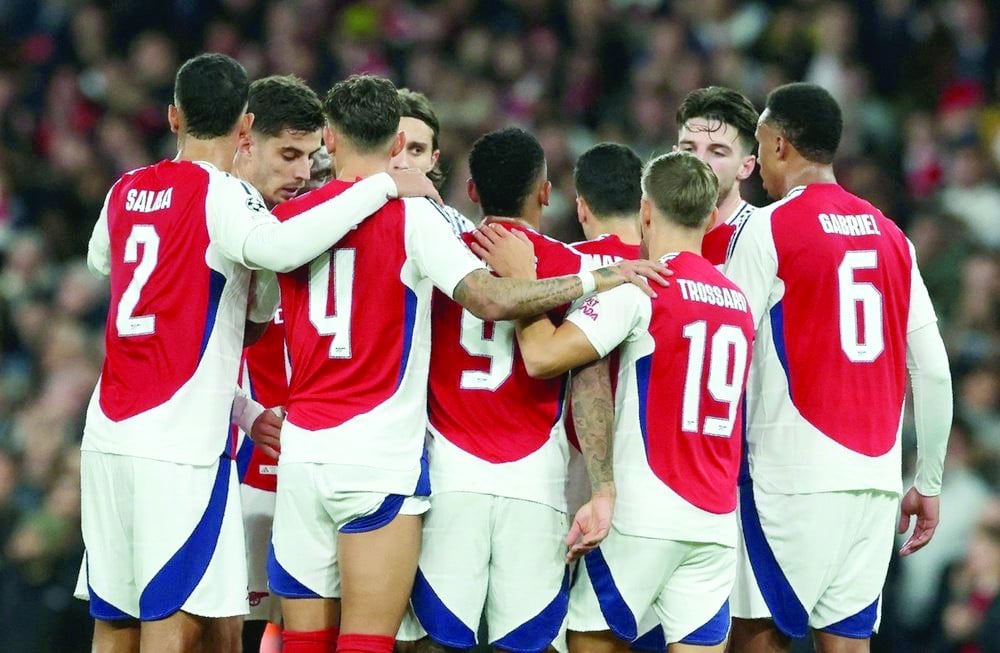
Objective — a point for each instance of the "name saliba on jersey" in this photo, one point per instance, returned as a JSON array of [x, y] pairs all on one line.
[[709, 294], [147, 201]]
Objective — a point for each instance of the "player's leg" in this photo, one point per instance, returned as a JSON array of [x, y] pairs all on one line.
[[258, 518], [615, 584], [757, 636], [528, 596], [116, 636], [253, 633], [302, 564], [453, 573], [223, 635], [693, 606], [847, 613], [190, 555]]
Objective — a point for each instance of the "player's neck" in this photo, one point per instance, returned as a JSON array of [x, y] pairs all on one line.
[[626, 227], [514, 219], [729, 204], [351, 166], [808, 173], [671, 238], [220, 152]]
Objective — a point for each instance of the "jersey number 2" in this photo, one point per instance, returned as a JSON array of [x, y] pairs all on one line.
[[862, 343], [726, 351], [126, 323], [337, 324]]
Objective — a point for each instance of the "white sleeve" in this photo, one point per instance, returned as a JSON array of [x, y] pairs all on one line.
[[438, 253], [245, 411], [930, 378], [99, 247], [251, 236], [921, 310], [266, 297], [753, 262], [234, 209], [612, 317]]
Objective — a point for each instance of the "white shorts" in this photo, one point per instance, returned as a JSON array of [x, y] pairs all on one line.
[[686, 585], [814, 560], [505, 555], [258, 515], [308, 515], [161, 537]]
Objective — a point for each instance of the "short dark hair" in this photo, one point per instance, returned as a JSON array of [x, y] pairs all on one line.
[[416, 105], [682, 187], [718, 103], [281, 102], [609, 178], [809, 117], [366, 110], [505, 165], [211, 91]]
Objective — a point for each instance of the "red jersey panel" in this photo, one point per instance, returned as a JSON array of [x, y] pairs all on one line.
[[480, 396], [157, 328], [690, 388], [840, 328], [266, 376], [348, 353]]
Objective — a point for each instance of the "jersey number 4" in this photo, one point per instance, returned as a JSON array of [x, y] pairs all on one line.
[[726, 355], [860, 309], [338, 322], [126, 323]]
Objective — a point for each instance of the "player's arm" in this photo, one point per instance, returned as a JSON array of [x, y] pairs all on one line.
[[99, 247], [248, 234], [753, 262], [593, 416], [493, 298], [261, 305], [261, 425], [930, 379]]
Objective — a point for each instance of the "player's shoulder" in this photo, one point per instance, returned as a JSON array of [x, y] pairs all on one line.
[[547, 243], [426, 208]]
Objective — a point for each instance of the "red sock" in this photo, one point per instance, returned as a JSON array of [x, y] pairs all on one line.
[[358, 643], [309, 641]]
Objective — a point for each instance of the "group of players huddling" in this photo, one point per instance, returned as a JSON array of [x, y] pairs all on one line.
[[688, 421]]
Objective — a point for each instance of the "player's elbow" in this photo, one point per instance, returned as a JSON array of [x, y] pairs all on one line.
[[540, 364], [487, 308]]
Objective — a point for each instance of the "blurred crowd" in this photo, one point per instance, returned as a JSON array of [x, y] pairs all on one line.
[[83, 91]]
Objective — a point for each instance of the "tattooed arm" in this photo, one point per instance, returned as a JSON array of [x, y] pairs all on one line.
[[593, 416]]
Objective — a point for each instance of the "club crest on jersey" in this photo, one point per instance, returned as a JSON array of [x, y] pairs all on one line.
[[147, 201], [255, 203]]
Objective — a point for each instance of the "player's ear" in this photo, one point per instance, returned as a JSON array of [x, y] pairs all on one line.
[[246, 142], [246, 123], [174, 118], [781, 148], [645, 213], [581, 210], [746, 167], [470, 187], [434, 157], [329, 139], [544, 193], [398, 144]]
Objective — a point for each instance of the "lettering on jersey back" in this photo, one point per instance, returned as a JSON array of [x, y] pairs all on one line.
[[696, 291], [593, 261], [147, 201], [849, 225]]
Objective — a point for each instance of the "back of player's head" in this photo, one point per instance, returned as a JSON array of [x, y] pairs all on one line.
[[682, 188], [718, 103], [809, 117], [416, 105], [365, 109], [283, 102], [505, 166], [608, 177], [211, 92]]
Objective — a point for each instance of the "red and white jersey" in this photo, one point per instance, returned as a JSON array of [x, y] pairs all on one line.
[[715, 244], [265, 375], [495, 429], [684, 359], [834, 289], [171, 238], [357, 323]]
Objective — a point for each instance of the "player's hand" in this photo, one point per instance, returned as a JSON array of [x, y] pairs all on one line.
[[927, 511], [591, 525], [508, 252], [266, 432], [410, 182], [638, 272]]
